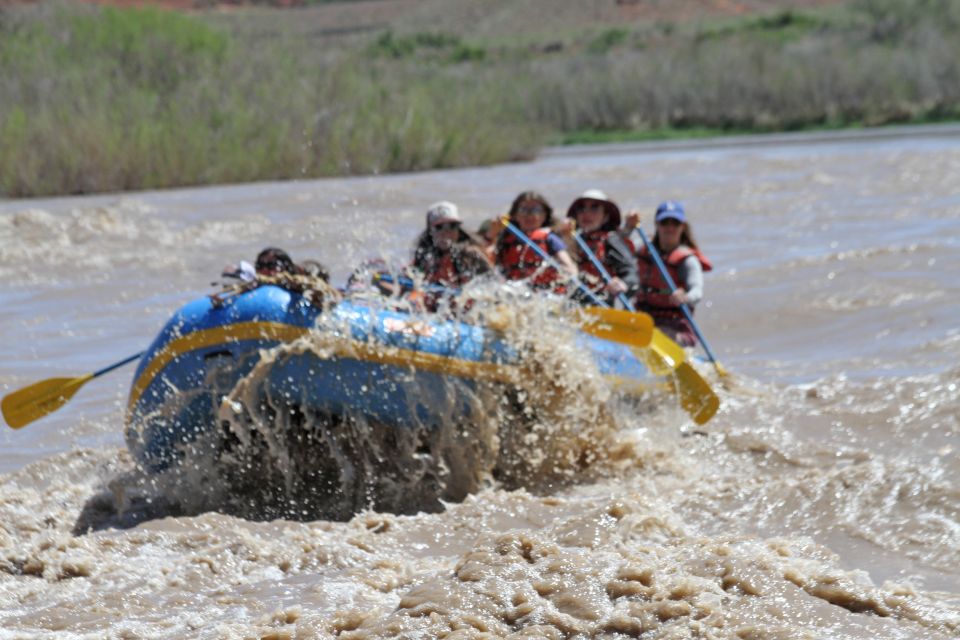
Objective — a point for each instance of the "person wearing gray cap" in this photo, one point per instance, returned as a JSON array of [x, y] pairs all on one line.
[[684, 262], [445, 253]]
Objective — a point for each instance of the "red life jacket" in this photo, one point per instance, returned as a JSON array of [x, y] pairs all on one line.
[[517, 261], [444, 271], [654, 294], [448, 268]]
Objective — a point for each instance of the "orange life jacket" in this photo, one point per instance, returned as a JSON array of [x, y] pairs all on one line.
[[517, 261], [654, 294]]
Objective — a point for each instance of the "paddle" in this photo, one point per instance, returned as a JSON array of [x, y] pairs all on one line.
[[615, 325], [23, 406], [550, 261], [600, 268], [696, 396], [721, 371]]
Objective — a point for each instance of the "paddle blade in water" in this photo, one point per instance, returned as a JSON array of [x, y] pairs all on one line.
[[696, 396], [664, 357], [23, 406]]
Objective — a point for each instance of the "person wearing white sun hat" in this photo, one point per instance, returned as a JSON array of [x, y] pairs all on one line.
[[596, 218]]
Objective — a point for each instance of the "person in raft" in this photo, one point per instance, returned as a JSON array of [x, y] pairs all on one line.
[[533, 215], [597, 219], [271, 262], [684, 262], [445, 253], [488, 232], [275, 266]]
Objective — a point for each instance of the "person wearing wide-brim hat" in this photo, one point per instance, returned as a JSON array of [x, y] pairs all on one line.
[[685, 263], [592, 200], [596, 218]]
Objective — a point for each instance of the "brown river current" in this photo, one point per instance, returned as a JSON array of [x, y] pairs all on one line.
[[823, 500]]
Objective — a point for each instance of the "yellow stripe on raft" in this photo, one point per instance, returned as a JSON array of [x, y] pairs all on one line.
[[208, 338], [380, 354]]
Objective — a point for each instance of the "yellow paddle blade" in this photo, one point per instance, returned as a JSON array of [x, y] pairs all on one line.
[[23, 406], [616, 325], [696, 396], [654, 361], [667, 348], [664, 357]]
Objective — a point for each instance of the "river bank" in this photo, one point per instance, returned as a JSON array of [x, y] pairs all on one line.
[[102, 99]]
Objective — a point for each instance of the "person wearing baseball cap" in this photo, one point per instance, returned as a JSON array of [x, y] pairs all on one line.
[[445, 253], [685, 263]]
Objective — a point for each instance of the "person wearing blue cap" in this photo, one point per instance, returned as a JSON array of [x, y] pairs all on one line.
[[685, 263]]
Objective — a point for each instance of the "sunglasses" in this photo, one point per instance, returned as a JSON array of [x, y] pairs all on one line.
[[588, 206], [530, 211], [446, 226], [669, 222]]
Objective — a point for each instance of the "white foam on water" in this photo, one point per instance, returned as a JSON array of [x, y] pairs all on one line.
[[821, 501]]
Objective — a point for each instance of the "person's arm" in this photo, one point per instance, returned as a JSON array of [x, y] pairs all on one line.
[[558, 249], [691, 280], [621, 263], [567, 263], [566, 230]]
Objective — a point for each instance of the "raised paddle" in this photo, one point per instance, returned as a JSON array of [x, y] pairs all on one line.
[[23, 406], [663, 356], [721, 371]]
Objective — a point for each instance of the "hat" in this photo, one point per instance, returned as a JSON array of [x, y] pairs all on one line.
[[613, 211], [670, 209], [443, 211]]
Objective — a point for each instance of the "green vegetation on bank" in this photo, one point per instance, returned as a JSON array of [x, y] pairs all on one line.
[[101, 99], [95, 100]]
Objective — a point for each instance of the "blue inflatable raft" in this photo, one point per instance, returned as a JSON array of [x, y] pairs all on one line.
[[206, 348], [328, 379]]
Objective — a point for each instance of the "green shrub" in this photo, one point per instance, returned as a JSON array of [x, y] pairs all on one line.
[[95, 99], [132, 99], [609, 39]]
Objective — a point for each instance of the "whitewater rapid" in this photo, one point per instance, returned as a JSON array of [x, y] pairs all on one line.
[[822, 500]]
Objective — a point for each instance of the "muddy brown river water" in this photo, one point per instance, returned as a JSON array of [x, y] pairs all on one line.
[[823, 501]]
